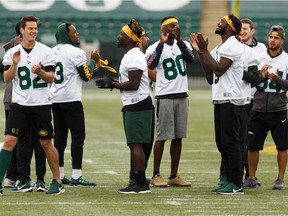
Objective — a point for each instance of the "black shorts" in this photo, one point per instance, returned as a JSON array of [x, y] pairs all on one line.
[[19, 116], [259, 126]]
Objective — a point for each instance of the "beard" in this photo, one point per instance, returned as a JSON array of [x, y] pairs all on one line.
[[171, 36], [220, 31], [274, 47]]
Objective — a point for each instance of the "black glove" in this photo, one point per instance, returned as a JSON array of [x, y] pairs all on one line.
[[106, 83]]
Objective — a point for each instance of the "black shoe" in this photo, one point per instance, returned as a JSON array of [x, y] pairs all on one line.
[[135, 188]]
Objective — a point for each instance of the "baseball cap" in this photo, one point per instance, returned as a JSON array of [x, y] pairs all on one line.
[[279, 29]]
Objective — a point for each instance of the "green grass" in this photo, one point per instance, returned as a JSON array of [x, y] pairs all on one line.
[[106, 161]]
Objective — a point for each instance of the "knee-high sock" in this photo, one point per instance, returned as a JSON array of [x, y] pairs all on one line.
[[5, 159]]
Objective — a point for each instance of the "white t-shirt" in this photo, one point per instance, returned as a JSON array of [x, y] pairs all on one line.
[[67, 86], [28, 89], [259, 49], [134, 59], [171, 70], [250, 58], [229, 85]]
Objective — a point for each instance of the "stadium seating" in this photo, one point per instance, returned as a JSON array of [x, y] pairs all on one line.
[[102, 26], [265, 14]]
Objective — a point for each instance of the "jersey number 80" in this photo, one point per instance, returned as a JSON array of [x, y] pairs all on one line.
[[170, 67]]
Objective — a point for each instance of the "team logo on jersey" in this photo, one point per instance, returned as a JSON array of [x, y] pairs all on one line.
[[15, 131], [43, 133]]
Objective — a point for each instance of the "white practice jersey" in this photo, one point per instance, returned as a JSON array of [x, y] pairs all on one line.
[[171, 70], [134, 59], [259, 49], [28, 88], [279, 63], [67, 86], [250, 58], [229, 85]]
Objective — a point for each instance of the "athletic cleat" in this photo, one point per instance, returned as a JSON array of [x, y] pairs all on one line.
[[135, 189], [1, 190], [40, 186], [231, 189], [158, 181], [278, 184], [8, 183], [222, 180], [65, 181], [82, 181], [250, 183], [23, 187], [178, 181], [55, 188]]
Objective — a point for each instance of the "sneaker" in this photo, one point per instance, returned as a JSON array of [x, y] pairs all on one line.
[[65, 180], [222, 180], [231, 189], [40, 186], [82, 181], [258, 183], [178, 181], [158, 181], [55, 188], [250, 183], [220, 187], [8, 183], [278, 184], [135, 189], [23, 187], [1, 190]]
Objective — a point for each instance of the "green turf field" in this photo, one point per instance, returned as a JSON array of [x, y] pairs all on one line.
[[106, 160]]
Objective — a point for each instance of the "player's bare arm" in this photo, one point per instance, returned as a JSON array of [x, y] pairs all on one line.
[[9, 74], [218, 68], [152, 74], [133, 82], [47, 76]]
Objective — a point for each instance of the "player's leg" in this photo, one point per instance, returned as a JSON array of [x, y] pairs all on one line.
[[138, 126], [257, 133], [279, 134], [60, 136], [24, 155], [42, 120], [11, 175], [40, 161], [74, 115], [16, 119]]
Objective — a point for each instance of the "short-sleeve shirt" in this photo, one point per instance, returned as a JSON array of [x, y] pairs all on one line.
[[229, 85], [67, 86], [28, 88], [171, 70], [134, 59]]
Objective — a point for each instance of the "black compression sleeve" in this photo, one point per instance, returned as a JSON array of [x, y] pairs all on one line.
[[186, 53], [153, 59]]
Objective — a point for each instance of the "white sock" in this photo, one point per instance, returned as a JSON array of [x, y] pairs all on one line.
[[61, 170], [76, 173]]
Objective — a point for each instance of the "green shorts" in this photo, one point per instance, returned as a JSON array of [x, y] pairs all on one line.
[[138, 126]]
